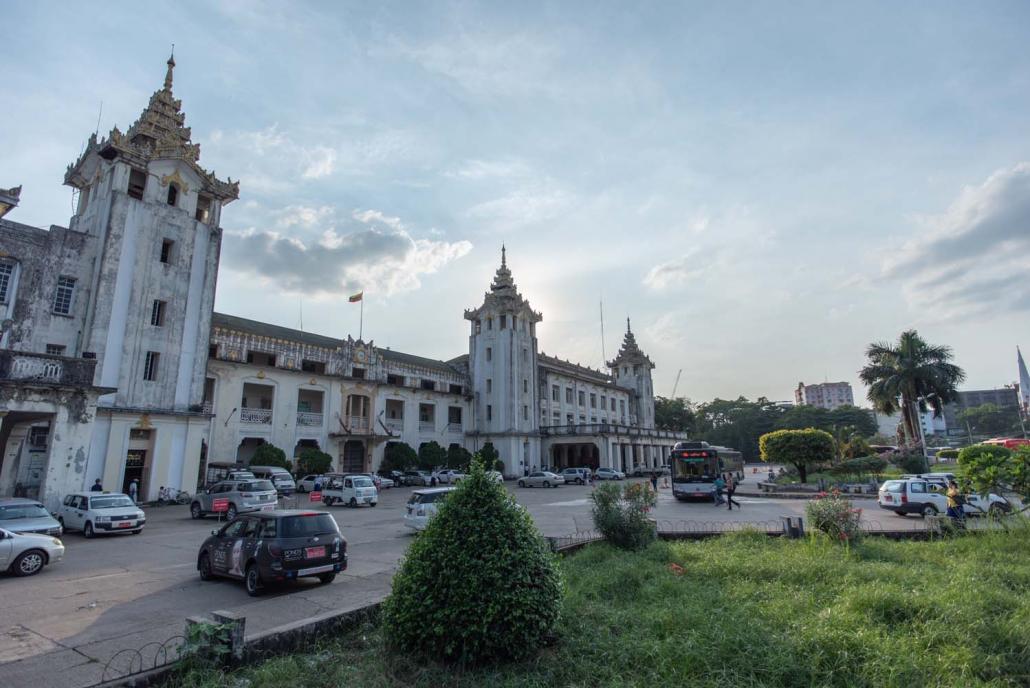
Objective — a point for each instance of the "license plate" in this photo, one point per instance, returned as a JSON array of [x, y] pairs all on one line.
[[888, 498], [314, 552], [268, 507], [125, 524], [699, 494]]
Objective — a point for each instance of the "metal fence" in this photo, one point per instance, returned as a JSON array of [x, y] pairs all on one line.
[[153, 655]]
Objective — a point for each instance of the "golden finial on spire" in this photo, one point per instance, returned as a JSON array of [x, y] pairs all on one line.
[[171, 66], [504, 260]]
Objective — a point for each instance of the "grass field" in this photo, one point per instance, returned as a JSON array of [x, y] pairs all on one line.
[[746, 610]]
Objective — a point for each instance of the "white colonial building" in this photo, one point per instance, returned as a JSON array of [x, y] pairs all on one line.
[[113, 364]]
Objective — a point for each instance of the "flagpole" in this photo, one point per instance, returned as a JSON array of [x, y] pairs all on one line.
[[361, 318]]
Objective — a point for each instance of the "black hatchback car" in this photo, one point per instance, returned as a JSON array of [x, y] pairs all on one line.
[[274, 546]]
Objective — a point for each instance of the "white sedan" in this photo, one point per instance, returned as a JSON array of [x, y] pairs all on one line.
[[27, 554], [541, 479], [449, 476]]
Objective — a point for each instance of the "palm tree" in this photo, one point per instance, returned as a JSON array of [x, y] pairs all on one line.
[[911, 375]]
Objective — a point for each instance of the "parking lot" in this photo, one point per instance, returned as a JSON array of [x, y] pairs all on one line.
[[61, 626]]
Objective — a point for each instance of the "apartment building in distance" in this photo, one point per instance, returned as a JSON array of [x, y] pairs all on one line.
[[827, 395]]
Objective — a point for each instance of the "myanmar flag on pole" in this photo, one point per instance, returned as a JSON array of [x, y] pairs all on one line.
[[357, 297]]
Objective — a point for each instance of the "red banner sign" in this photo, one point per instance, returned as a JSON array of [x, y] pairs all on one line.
[[315, 496], [220, 504]]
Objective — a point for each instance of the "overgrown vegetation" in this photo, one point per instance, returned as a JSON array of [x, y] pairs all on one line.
[[479, 584], [744, 610], [313, 461], [835, 516], [399, 456], [270, 455], [621, 513], [987, 468]]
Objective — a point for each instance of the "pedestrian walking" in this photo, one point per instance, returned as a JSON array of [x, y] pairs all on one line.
[[717, 492], [97, 486], [955, 502], [731, 487], [654, 480], [134, 489]]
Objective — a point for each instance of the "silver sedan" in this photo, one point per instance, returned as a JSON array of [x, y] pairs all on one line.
[[541, 479], [27, 554]]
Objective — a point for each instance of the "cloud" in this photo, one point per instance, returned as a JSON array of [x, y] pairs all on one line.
[[304, 216], [676, 272], [491, 169], [371, 217], [375, 257], [972, 259], [318, 162], [522, 207]]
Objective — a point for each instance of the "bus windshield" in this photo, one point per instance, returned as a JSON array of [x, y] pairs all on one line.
[[695, 466]]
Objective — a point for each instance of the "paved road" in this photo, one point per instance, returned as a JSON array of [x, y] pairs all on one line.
[[61, 627]]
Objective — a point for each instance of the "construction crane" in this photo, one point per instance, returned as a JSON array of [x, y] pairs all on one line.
[[676, 384]]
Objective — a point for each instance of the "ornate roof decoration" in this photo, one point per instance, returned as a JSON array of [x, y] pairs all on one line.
[[159, 133], [630, 351], [504, 295]]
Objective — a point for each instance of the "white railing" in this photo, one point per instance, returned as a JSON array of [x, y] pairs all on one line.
[[394, 424], [358, 424], [309, 419], [454, 428], [258, 416], [426, 426], [32, 368]]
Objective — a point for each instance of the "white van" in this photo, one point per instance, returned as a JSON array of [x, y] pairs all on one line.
[[280, 477], [351, 490], [423, 504]]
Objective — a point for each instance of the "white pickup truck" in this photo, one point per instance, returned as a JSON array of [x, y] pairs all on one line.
[[352, 490]]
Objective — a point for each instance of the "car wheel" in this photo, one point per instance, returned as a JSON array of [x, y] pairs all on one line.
[[928, 510], [195, 511], [252, 580], [230, 513], [29, 563], [352, 503], [547, 484], [900, 513], [373, 503], [996, 510], [204, 566], [87, 530], [522, 483], [326, 578]]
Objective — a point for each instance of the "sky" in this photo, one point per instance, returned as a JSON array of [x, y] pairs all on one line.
[[764, 188]]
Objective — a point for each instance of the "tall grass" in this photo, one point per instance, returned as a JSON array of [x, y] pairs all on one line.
[[743, 610]]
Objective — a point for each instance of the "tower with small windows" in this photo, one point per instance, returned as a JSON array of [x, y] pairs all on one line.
[[153, 211], [503, 373], [632, 368], [143, 304]]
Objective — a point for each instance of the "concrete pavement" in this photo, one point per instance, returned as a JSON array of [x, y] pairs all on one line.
[[61, 627]]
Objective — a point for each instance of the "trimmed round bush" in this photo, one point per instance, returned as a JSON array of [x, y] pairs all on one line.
[[479, 584]]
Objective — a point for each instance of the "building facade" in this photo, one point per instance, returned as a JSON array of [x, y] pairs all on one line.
[[827, 395], [114, 366]]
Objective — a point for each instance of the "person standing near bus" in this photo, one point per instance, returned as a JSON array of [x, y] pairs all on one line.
[[731, 487], [717, 492]]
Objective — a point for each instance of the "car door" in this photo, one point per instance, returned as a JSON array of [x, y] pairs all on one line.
[[66, 507], [6, 549], [348, 490], [77, 513], [917, 495], [937, 494], [226, 541]]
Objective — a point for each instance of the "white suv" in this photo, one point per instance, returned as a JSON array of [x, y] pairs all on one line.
[[929, 498], [100, 512], [422, 506]]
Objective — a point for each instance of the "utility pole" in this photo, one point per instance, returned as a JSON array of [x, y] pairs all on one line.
[[676, 384]]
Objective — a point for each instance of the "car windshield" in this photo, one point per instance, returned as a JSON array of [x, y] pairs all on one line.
[[15, 511], [362, 482], [111, 502], [282, 478], [307, 525], [257, 486]]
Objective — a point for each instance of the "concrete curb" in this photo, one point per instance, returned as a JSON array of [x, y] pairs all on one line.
[[796, 495]]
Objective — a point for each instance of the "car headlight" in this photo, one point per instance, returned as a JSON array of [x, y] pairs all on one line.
[[103, 519], [56, 542], [139, 514]]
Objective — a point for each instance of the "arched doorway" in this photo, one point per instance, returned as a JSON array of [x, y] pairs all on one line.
[[245, 452], [353, 456]]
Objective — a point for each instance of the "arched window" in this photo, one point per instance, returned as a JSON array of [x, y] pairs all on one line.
[[173, 194]]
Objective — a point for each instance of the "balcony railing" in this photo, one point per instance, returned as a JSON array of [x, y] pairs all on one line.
[[256, 416], [309, 419], [426, 426], [611, 429], [454, 428], [358, 424], [394, 424], [48, 369]]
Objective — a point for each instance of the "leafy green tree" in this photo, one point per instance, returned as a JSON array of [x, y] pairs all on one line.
[[458, 457], [804, 416], [431, 455], [399, 456], [490, 454], [270, 455], [313, 460], [472, 595], [857, 447], [737, 423], [803, 449], [910, 376], [674, 414], [990, 419], [987, 468], [862, 420]]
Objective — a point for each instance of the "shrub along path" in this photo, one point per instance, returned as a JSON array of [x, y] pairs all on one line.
[[743, 610]]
